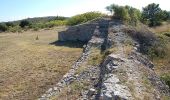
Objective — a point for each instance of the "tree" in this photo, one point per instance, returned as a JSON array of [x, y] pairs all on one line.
[[152, 14], [165, 15], [126, 13], [135, 15], [119, 12], [9, 24], [24, 23], [168, 15], [82, 18], [3, 28]]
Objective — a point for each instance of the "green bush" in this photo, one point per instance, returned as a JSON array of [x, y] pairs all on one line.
[[15, 29], [9, 24], [35, 27], [3, 28], [78, 19], [135, 15], [166, 77], [167, 34], [24, 23], [157, 51], [49, 24], [120, 12], [128, 14], [55, 23]]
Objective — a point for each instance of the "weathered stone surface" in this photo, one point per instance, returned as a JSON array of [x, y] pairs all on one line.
[[111, 66], [91, 92], [112, 88], [144, 60], [82, 33], [107, 96]]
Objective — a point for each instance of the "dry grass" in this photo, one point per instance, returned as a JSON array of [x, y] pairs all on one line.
[[72, 91], [95, 58], [162, 65], [163, 28], [28, 67]]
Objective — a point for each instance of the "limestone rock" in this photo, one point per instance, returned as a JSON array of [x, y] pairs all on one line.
[[112, 89], [91, 92]]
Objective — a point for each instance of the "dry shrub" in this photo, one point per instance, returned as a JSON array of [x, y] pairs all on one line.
[[149, 43]]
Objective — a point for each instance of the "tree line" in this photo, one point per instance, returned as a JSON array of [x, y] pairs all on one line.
[[48, 22], [152, 14]]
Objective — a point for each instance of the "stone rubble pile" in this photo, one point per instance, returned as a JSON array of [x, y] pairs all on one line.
[[111, 86], [68, 77]]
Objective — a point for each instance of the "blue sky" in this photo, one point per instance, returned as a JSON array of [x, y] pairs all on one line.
[[20, 9]]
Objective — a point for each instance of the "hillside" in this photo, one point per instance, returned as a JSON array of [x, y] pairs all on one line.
[[39, 19]]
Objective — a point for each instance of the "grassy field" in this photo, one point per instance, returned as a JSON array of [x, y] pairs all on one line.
[[28, 67]]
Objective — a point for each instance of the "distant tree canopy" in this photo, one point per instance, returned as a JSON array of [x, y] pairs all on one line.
[[9, 24], [153, 15], [24, 23], [81, 18], [125, 13], [47, 22], [60, 18]]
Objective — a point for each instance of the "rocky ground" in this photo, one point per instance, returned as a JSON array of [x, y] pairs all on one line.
[[120, 73]]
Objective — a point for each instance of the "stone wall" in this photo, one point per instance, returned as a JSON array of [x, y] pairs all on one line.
[[82, 32]]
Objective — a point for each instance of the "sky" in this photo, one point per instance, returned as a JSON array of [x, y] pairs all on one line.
[[20, 9]]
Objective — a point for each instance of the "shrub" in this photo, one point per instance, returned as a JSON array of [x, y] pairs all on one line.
[[150, 44], [78, 19], [24, 23], [166, 78], [145, 38], [167, 34], [3, 28], [55, 23], [157, 50], [37, 38], [128, 14], [39, 25], [9, 24], [135, 15], [15, 29], [35, 27]]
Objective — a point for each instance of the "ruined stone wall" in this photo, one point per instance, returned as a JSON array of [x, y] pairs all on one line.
[[81, 32]]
